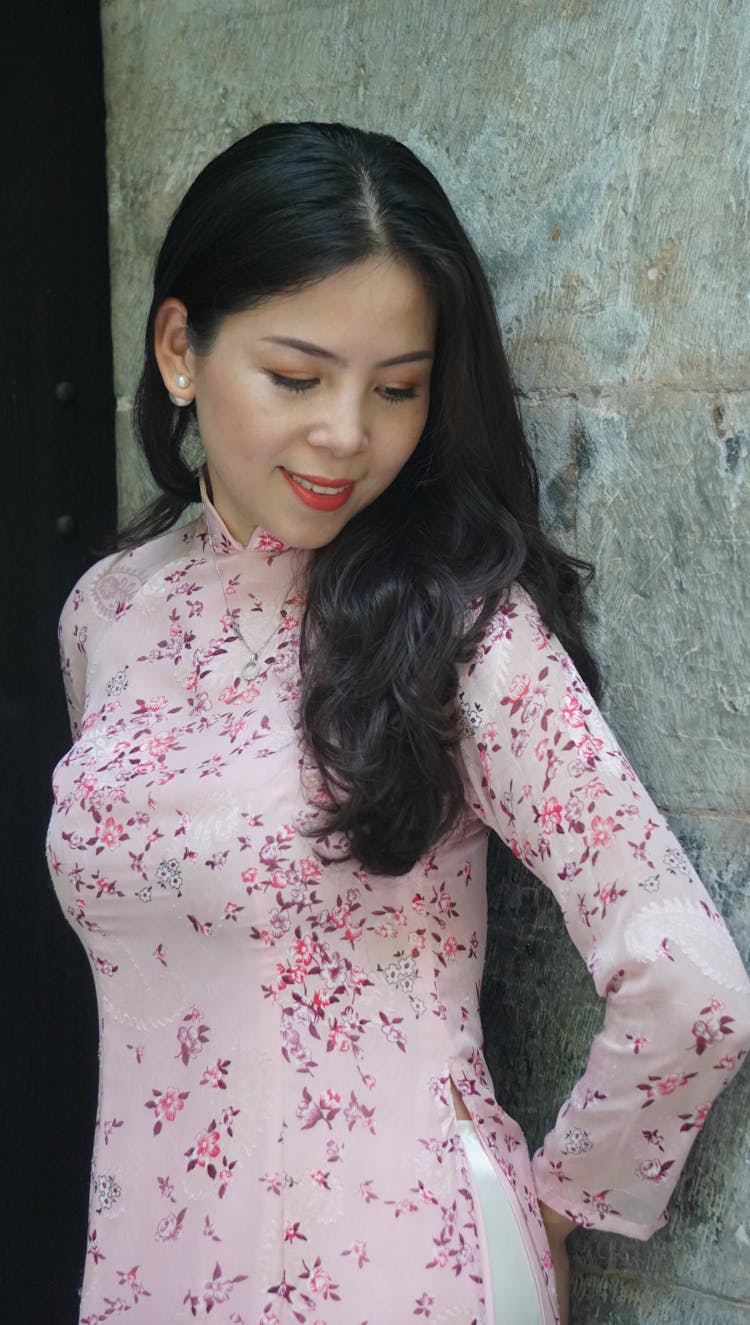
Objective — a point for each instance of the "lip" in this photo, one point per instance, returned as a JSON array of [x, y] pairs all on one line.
[[320, 501]]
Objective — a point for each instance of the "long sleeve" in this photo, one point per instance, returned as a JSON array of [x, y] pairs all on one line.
[[72, 633], [546, 774]]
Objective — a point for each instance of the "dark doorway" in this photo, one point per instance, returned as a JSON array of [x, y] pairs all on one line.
[[58, 484]]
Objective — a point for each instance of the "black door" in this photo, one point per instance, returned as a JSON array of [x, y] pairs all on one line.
[[58, 499]]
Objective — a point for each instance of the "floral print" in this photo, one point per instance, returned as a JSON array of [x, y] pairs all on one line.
[[277, 1141]]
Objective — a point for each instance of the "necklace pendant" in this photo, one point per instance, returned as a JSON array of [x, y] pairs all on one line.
[[250, 668]]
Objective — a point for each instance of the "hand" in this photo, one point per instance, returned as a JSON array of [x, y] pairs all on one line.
[[558, 1227]]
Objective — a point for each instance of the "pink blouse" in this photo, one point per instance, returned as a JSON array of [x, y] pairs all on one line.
[[276, 1141]]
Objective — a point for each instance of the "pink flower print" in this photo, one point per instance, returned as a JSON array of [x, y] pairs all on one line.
[[667, 1086], [654, 1138], [154, 705], [94, 1250], [637, 1042], [391, 1031], [109, 1125], [304, 953], [676, 861], [160, 744], [269, 543], [550, 814], [191, 1038], [423, 1306], [588, 748], [652, 1170], [231, 910], [227, 1118], [710, 1029], [695, 1120], [577, 1140], [292, 1233], [519, 742], [166, 1187], [357, 1113], [105, 967], [166, 1106], [273, 1182], [599, 1202], [214, 1075], [596, 788], [519, 686], [206, 1147], [309, 868], [225, 1177], [601, 832], [651, 884], [215, 1292], [107, 1192], [320, 1281], [417, 902], [310, 1113], [571, 712], [608, 896], [450, 947], [209, 1230], [358, 1249], [109, 833], [169, 1228]]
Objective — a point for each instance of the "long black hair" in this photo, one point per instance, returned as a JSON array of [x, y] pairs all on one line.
[[402, 594]]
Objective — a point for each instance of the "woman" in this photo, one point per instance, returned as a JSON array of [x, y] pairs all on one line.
[[296, 720]]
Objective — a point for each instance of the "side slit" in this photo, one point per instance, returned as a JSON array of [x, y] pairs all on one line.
[[497, 1215]]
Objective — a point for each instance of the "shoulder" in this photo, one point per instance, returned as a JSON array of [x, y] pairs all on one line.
[[515, 629], [518, 655], [107, 590]]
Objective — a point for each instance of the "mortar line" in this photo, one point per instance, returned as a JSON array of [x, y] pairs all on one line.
[[595, 1271]]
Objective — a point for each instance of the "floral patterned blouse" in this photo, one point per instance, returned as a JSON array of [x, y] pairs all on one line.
[[276, 1141]]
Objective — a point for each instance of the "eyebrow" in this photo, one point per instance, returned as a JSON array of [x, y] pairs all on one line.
[[306, 347]]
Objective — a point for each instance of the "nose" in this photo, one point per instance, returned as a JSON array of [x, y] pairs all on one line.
[[342, 427]]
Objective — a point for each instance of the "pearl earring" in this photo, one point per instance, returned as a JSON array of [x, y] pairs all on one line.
[[182, 381]]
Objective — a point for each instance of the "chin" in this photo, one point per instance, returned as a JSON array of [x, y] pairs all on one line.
[[301, 535]]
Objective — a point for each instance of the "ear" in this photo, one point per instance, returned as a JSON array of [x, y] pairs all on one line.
[[172, 350]]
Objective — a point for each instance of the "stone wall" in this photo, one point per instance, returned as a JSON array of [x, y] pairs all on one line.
[[600, 156]]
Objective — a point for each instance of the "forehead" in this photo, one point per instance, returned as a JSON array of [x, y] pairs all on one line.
[[376, 299]]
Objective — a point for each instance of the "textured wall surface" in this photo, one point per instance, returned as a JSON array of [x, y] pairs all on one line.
[[600, 156]]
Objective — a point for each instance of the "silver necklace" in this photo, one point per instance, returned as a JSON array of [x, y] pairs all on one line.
[[249, 669]]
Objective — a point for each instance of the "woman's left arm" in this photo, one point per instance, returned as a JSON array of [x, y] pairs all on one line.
[[547, 775]]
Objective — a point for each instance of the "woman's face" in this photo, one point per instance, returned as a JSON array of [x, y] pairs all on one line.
[[310, 403]]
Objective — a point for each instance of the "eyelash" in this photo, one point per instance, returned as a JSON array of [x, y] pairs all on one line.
[[298, 386]]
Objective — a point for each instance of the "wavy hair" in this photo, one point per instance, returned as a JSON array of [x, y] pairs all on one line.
[[401, 596]]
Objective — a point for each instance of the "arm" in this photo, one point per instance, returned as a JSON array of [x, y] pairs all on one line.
[[546, 774], [72, 634]]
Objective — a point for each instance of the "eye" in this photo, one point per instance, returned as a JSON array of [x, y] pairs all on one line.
[[295, 384], [395, 394]]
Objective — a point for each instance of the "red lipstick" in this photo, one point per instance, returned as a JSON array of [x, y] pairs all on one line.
[[321, 494]]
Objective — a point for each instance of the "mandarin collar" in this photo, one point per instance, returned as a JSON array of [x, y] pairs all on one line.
[[223, 542]]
